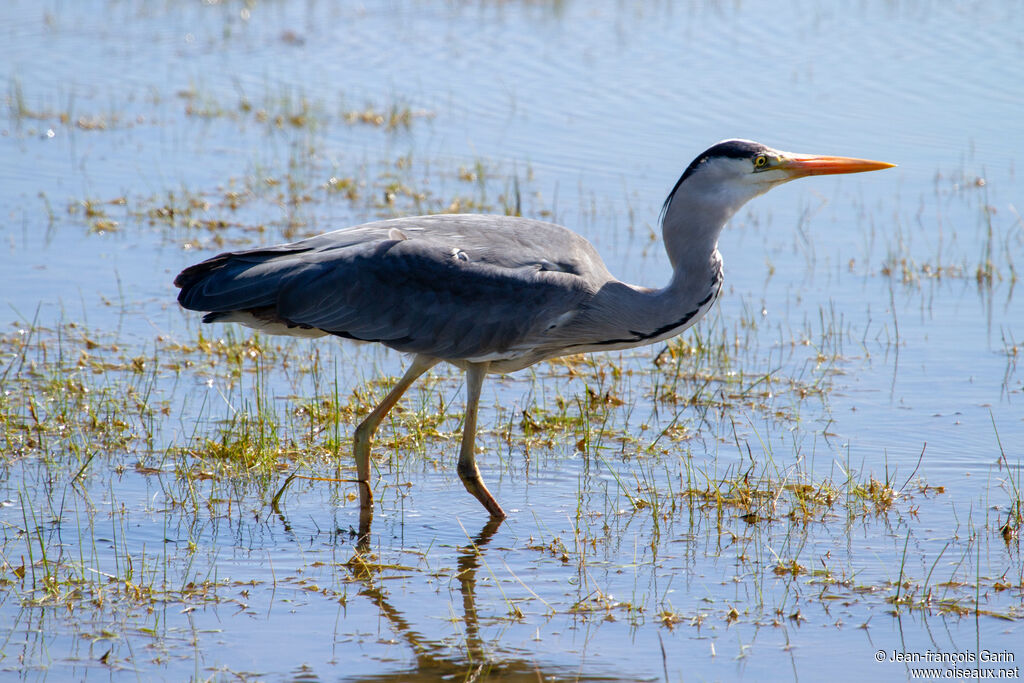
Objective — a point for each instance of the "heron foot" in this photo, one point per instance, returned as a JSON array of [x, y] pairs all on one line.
[[475, 485]]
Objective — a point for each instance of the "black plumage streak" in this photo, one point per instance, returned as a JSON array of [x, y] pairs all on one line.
[[716, 287], [682, 321]]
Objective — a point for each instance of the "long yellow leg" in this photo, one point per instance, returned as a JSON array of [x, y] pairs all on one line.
[[468, 471], [364, 432]]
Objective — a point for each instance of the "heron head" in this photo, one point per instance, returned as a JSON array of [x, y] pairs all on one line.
[[732, 172], [748, 162]]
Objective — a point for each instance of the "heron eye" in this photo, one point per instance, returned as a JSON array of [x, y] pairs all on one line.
[[760, 161]]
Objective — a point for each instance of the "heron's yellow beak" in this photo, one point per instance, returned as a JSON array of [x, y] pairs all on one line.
[[800, 165]]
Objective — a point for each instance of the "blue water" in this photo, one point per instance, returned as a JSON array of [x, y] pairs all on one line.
[[595, 108]]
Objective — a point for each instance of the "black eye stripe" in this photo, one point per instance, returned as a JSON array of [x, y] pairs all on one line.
[[730, 149]]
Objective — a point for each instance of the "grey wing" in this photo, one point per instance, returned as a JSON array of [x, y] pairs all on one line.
[[447, 292]]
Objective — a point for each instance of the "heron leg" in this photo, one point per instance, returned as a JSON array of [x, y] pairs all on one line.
[[366, 429], [468, 471]]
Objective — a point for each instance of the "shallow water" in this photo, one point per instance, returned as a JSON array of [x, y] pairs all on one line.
[[855, 341]]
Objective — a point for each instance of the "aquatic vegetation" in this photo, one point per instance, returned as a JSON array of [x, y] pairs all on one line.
[[84, 413], [829, 462], [293, 109]]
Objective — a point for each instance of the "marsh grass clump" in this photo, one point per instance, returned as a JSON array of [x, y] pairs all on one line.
[[1014, 509], [580, 421], [393, 117], [293, 109], [769, 495], [66, 393], [708, 372], [95, 213], [292, 198], [412, 425], [234, 350], [771, 522], [987, 256], [284, 110], [63, 115], [90, 424], [246, 442], [876, 495]]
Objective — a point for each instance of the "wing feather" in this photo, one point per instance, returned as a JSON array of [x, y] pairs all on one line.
[[461, 287]]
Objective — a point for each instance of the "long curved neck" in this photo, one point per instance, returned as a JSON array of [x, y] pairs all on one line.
[[692, 222], [690, 228], [621, 315]]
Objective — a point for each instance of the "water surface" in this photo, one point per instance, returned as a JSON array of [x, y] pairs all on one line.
[[866, 320]]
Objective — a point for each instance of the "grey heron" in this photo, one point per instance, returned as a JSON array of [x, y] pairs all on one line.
[[491, 294]]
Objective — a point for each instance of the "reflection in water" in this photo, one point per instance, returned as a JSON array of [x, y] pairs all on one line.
[[433, 658], [132, 538]]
